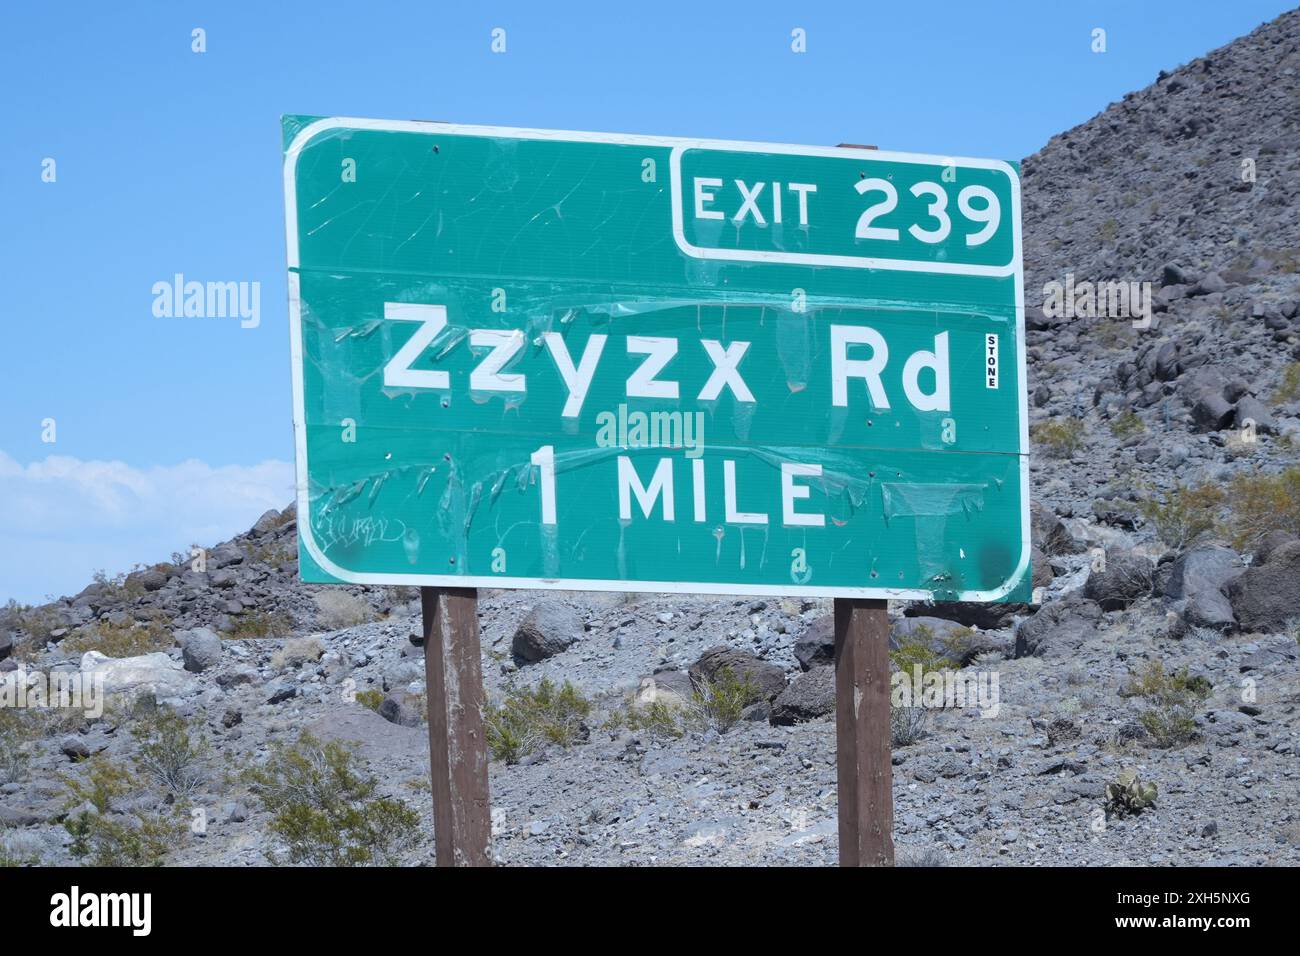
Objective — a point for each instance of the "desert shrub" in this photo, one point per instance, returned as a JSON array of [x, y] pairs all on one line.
[[170, 749], [324, 806], [1126, 425], [337, 609], [907, 725], [658, 719], [102, 835], [531, 716], [297, 651], [117, 588], [370, 698], [1169, 720], [257, 623], [1259, 504], [19, 727], [120, 640], [274, 553], [917, 649], [10, 857], [1185, 516], [37, 622], [1288, 390], [1060, 438], [719, 704]]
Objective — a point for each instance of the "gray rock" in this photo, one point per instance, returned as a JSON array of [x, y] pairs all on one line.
[[1124, 577], [401, 708], [1279, 652], [1048, 532], [1059, 629], [988, 617], [200, 649], [277, 692], [74, 748], [551, 627], [1269, 543], [1196, 583], [817, 643], [1266, 597], [1211, 284], [768, 680], [809, 696], [1212, 412], [6, 644], [947, 639], [1251, 409]]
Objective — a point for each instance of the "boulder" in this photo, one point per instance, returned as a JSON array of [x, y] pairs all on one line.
[[155, 674], [1195, 585], [200, 649], [1269, 543], [1212, 412], [1058, 629], [817, 643], [1251, 409], [672, 688], [549, 628], [1266, 597], [1123, 578], [402, 708], [269, 521], [988, 617], [1048, 533], [808, 697], [6, 644], [767, 679], [947, 639]]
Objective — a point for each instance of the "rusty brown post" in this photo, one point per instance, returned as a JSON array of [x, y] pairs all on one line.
[[458, 762], [862, 734]]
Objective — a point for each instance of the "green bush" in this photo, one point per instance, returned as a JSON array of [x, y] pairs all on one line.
[[1126, 425], [121, 640], [1060, 438], [718, 704], [102, 835], [18, 729], [170, 749], [658, 719], [370, 698], [257, 623], [1263, 503], [1170, 719], [1288, 390], [325, 809], [531, 716], [1185, 516]]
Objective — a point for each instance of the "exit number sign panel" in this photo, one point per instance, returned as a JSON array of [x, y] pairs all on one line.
[[529, 358]]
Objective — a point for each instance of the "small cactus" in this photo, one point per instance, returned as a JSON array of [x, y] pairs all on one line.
[[1129, 794]]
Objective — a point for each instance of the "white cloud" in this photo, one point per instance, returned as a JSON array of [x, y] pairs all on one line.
[[61, 519]]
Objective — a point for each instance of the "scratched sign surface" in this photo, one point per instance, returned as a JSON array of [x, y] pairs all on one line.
[[526, 358]]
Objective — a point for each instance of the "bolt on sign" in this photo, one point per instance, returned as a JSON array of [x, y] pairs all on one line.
[[528, 358]]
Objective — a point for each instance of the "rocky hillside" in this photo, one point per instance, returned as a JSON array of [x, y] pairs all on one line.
[[1162, 649]]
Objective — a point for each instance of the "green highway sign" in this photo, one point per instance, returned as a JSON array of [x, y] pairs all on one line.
[[529, 358]]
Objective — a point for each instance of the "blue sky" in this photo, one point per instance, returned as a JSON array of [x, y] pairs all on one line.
[[174, 430]]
